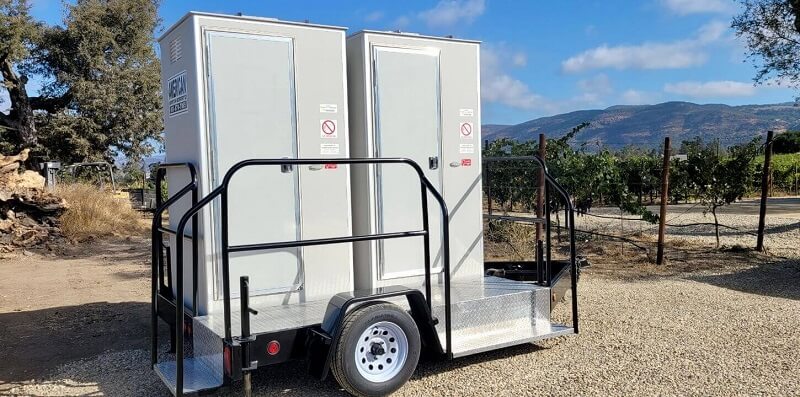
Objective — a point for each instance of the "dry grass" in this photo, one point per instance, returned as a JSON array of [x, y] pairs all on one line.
[[510, 241], [94, 212]]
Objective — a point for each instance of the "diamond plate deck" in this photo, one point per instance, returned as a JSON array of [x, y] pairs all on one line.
[[492, 312], [269, 318], [196, 375], [488, 313]]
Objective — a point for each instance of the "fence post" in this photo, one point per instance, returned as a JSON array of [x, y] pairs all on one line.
[[486, 178], [662, 219], [540, 196], [765, 183]]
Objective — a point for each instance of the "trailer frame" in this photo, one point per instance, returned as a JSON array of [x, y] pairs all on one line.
[[246, 352]]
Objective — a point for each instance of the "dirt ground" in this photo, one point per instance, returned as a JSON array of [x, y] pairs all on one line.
[[75, 321], [74, 302]]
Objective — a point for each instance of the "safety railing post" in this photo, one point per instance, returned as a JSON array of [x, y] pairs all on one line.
[[426, 241], [548, 236], [226, 276]]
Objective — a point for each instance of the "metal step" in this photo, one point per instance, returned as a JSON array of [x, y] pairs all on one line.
[[203, 370], [492, 312], [197, 376]]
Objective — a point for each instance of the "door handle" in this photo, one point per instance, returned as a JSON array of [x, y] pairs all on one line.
[[433, 162], [286, 168]]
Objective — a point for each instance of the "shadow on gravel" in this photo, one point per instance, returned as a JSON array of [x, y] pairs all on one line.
[[292, 379], [777, 279], [34, 343]]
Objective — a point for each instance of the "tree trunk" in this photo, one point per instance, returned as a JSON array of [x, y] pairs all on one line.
[[716, 223], [558, 227], [20, 117]]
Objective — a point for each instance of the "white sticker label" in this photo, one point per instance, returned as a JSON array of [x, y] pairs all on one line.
[[329, 148], [328, 128], [465, 130], [466, 148], [177, 95], [466, 112], [328, 108]]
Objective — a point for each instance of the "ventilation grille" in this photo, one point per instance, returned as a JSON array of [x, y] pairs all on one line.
[[175, 50]]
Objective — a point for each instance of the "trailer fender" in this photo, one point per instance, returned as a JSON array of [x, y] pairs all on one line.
[[320, 340]]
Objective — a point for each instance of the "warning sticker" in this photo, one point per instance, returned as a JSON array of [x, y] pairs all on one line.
[[328, 148], [466, 162], [465, 130], [328, 128], [328, 108], [466, 148], [177, 95], [466, 112]]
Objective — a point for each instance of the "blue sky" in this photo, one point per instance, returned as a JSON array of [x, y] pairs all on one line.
[[542, 58]]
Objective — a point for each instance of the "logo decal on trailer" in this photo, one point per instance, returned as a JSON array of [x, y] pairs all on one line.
[[177, 95], [466, 162], [466, 130], [327, 128]]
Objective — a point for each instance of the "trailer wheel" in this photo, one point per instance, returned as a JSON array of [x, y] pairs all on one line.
[[377, 351]]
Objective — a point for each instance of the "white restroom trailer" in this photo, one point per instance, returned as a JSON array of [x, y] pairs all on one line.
[[302, 224], [238, 88], [416, 97]]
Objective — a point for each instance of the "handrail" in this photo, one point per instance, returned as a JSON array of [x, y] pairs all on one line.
[[571, 211], [156, 243], [222, 192]]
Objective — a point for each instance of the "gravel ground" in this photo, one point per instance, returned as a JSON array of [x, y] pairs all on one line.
[[731, 331]]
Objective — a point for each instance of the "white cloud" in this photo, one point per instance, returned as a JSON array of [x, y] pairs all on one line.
[[712, 32], [453, 12], [673, 55], [599, 84], [401, 22], [636, 97], [519, 59], [374, 16], [593, 91], [645, 56], [500, 87], [711, 89], [685, 7]]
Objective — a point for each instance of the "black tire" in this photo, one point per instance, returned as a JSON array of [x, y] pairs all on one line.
[[344, 366]]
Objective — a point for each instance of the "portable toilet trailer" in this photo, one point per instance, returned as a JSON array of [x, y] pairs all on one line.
[[419, 98], [259, 175]]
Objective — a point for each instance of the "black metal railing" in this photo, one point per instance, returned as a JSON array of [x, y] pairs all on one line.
[[157, 283], [222, 192], [550, 182]]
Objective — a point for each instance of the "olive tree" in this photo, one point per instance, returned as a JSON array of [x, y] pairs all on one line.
[[720, 180], [771, 31], [101, 80]]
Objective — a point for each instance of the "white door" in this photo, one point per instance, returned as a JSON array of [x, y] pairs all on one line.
[[252, 115], [407, 124]]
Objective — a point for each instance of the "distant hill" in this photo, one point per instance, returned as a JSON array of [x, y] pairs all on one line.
[[649, 124]]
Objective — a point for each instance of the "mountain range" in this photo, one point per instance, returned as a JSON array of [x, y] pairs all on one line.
[[647, 125]]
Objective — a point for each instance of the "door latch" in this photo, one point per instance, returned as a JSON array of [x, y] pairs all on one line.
[[286, 168], [433, 162]]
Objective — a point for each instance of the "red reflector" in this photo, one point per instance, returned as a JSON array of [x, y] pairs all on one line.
[[466, 162], [226, 360], [273, 348], [331, 166]]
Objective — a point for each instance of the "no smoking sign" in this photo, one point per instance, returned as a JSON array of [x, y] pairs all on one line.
[[328, 128], [465, 130]]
